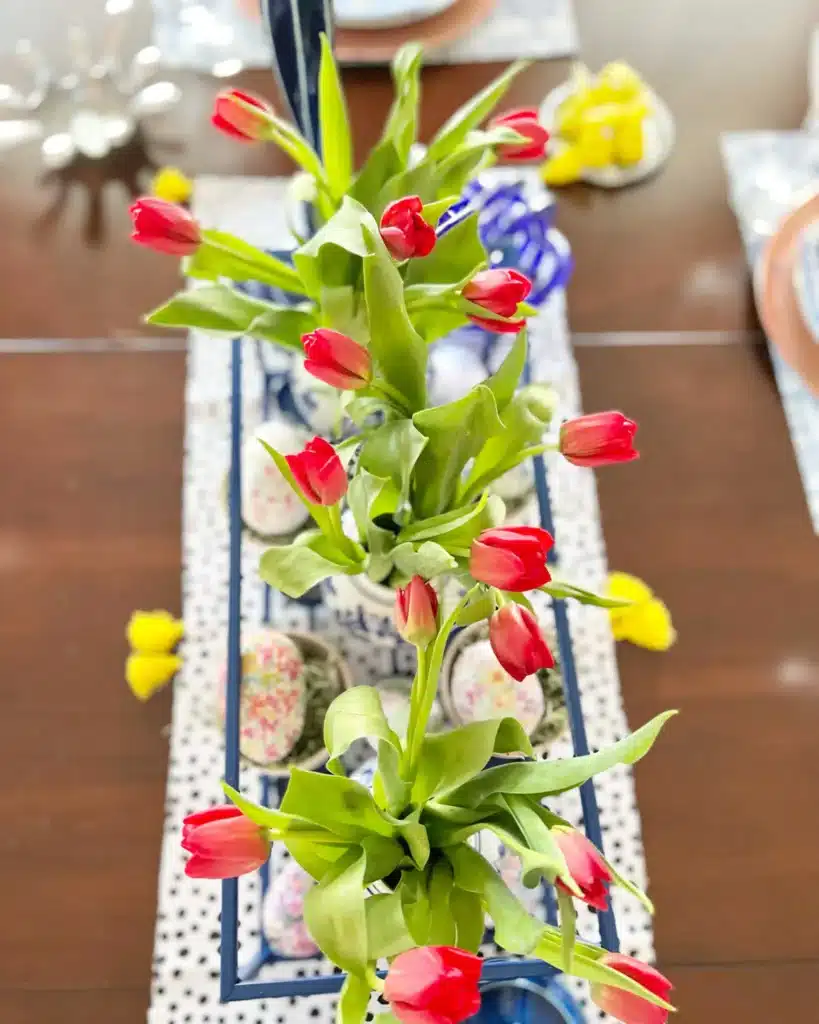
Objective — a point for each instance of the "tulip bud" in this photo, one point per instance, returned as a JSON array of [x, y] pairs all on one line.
[[405, 232], [319, 472], [434, 985], [224, 843], [511, 557], [416, 612], [586, 866], [337, 360], [497, 326], [517, 642], [164, 226], [524, 122], [232, 114], [600, 439], [498, 290], [632, 1009]]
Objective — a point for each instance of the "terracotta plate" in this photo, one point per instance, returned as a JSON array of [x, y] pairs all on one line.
[[360, 46], [776, 297]]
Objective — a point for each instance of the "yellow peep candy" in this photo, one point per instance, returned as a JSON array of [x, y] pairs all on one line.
[[563, 168], [147, 673], [596, 144], [629, 138], [155, 632], [172, 185], [647, 621], [618, 82]]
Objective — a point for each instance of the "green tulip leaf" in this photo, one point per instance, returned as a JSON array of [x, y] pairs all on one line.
[[505, 380], [515, 928], [457, 432], [546, 778], [455, 254], [587, 964], [383, 857], [415, 901], [427, 559], [444, 524], [338, 804], [387, 932], [443, 929], [568, 926], [334, 121], [448, 759], [472, 114], [392, 451], [354, 715], [467, 912], [353, 1000], [335, 915], [296, 568], [316, 859], [224, 255], [399, 351], [562, 590], [390, 790], [222, 310]]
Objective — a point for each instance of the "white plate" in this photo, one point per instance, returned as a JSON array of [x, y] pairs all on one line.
[[378, 14], [659, 134]]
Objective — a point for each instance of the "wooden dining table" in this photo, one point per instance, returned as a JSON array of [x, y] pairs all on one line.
[[713, 515]]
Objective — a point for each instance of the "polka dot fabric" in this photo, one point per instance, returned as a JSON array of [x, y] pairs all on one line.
[[186, 952]]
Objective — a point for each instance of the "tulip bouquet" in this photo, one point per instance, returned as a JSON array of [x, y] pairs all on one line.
[[406, 198], [406, 499]]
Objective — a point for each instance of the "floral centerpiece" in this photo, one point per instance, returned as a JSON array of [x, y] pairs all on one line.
[[406, 501]]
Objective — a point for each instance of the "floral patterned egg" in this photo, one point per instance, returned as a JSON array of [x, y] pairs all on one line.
[[283, 912], [269, 506], [481, 689], [273, 696]]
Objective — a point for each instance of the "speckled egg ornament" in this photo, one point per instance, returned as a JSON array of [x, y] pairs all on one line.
[[269, 506], [283, 913]]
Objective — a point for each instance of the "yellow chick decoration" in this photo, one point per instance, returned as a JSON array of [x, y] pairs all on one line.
[[155, 632], [599, 124], [148, 673], [172, 185], [151, 665], [646, 622]]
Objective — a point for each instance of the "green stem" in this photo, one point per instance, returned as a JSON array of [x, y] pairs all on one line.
[[393, 395], [375, 983], [415, 699], [429, 685]]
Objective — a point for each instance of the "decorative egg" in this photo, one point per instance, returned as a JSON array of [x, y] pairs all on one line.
[[480, 689], [273, 696], [269, 506], [283, 912], [318, 403]]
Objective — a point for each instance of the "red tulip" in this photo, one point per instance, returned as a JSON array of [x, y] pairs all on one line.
[[434, 985], [404, 230], [624, 1006], [511, 557], [601, 439], [416, 612], [524, 122], [497, 326], [337, 359], [586, 866], [517, 642], [223, 843], [164, 226], [319, 472], [236, 120], [499, 290]]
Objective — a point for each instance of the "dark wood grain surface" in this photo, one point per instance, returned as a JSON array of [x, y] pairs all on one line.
[[713, 515]]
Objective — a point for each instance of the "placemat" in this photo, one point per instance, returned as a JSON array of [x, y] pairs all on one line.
[[186, 953], [766, 172], [204, 35]]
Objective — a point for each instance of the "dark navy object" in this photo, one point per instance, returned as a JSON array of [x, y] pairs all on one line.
[[295, 28], [527, 1001]]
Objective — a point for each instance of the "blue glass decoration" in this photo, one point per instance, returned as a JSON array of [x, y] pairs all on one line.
[[295, 28]]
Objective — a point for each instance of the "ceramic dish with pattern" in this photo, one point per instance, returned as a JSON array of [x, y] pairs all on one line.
[[659, 134], [378, 14], [474, 687], [322, 674]]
